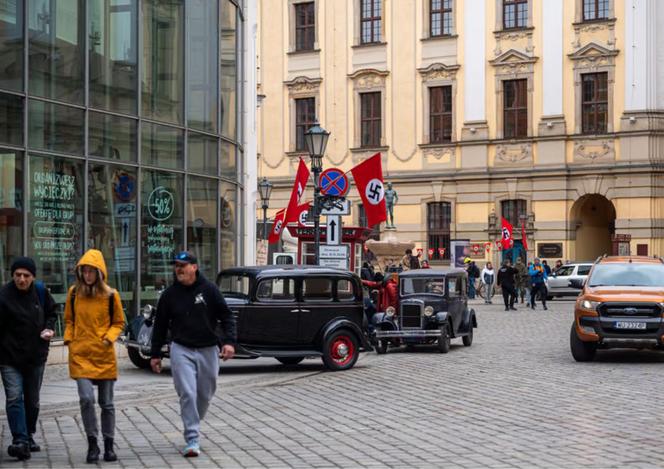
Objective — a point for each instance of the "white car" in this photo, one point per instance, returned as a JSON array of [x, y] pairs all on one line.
[[558, 283]]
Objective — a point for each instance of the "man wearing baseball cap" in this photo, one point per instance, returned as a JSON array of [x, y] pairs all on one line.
[[190, 309], [27, 320]]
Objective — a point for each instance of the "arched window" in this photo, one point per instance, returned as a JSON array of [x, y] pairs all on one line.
[[514, 210]]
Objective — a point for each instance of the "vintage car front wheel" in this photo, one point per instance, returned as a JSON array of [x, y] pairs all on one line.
[[340, 350], [289, 360], [138, 359], [445, 340]]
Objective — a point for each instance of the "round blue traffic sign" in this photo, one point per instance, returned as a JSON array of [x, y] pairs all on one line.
[[334, 182]]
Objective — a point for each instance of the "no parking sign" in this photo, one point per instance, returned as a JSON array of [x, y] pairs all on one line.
[[334, 182]]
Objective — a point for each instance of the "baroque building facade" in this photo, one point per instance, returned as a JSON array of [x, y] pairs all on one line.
[[548, 113]]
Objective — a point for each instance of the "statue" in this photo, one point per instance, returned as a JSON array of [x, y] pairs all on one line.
[[391, 198]]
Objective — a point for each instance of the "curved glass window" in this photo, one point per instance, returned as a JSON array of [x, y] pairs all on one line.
[[112, 137], [112, 218], [113, 54], [11, 209], [202, 223], [11, 119], [163, 146], [162, 86], [228, 222], [228, 23], [11, 45], [161, 230], [202, 72], [202, 153], [57, 38], [55, 127]]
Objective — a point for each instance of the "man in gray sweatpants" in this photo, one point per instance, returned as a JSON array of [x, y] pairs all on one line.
[[191, 308]]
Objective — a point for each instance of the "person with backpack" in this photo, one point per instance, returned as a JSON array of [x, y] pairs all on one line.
[[27, 321], [93, 322]]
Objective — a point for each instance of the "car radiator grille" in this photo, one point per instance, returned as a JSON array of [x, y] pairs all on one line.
[[634, 310], [410, 316]]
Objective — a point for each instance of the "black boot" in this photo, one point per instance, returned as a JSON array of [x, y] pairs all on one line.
[[109, 454], [93, 450], [20, 451], [34, 447]]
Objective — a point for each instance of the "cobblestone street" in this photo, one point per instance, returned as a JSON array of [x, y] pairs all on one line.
[[515, 398]]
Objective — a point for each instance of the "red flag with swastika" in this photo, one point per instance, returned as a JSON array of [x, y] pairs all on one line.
[[368, 177], [300, 183], [277, 227], [506, 234]]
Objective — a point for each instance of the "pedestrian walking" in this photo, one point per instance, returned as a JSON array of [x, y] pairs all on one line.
[[27, 321], [547, 268], [93, 322], [190, 309], [473, 274], [559, 264], [507, 281], [522, 281], [488, 277], [538, 279]]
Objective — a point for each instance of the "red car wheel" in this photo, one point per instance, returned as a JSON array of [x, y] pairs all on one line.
[[340, 351]]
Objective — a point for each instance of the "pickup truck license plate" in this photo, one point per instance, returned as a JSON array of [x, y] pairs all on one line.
[[630, 325]]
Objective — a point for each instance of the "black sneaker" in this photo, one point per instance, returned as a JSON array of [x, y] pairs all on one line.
[[506, 308], [34, 447], [545, 307], [513, 308], [20, 451]]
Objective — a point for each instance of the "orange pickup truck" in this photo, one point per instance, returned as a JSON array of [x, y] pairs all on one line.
[[621, 305]]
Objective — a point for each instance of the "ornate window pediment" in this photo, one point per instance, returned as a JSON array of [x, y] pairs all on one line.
[[512, 62], [303, 84], [593, 52], [438, 71], [369, 78]]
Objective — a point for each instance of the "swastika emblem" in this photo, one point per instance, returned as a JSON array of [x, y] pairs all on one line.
[[506, 233], [375, 192], [277, 226]]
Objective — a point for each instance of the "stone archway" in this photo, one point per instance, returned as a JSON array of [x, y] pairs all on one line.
[[593, 218]]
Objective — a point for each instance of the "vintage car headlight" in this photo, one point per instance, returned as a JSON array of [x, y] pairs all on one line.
[[589, 305], [390, 311], [428, 311], [147, 311]]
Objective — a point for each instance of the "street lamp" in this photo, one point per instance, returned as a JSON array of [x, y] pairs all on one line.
[[315, 140], [265, 189]]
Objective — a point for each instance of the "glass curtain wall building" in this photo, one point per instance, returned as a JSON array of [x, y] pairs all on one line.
[[119, 131]]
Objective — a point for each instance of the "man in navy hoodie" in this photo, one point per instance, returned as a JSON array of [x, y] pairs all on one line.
[[191, 309]]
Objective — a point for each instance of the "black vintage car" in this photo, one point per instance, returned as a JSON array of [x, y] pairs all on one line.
[[433, 309], [287, 312]]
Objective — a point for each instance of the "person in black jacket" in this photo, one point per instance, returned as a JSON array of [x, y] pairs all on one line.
[[27, 320], [506, 280], [191, 308]]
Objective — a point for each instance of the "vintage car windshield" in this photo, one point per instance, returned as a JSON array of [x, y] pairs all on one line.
[[627, 275], [419, 285], [234, 285]]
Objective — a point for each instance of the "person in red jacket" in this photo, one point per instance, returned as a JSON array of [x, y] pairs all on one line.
[[388, 291]]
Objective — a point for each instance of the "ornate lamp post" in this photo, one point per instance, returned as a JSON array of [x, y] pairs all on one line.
[[315, 140], [265, 190]]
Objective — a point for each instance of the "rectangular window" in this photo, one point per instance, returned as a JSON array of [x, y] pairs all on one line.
[[439, 219], [440, 19], [11, 119], [112, 137], [370, 119], [514, 211], [112, 219], [305, 26], [202, 153], [162, 146], [440, 114], [515, 14], [595, 103], [228, 74], [56, 32], [515, 108], [317, 289], [162, 76], [113, 54], [595, 10], [55, 127], [11, 45], [228, 207], [162, 233], [202, 222], [11, 207], [305, 117], [370, 21]]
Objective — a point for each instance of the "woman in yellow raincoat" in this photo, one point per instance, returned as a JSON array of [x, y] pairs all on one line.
[[93, 321]]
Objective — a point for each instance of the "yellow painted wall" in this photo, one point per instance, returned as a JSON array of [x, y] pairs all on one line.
[[632, 208], [472, 212], [551, 210]]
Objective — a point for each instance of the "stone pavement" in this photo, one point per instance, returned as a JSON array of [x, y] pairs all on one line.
[[516, 398]]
